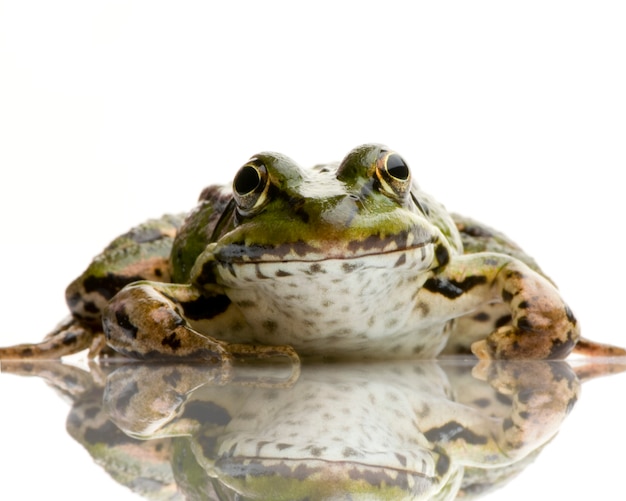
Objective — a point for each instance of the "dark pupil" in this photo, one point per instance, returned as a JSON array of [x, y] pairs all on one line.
[[397, 168], [247, 180]]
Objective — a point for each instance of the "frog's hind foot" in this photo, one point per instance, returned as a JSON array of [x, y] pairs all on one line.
[[67, 338]]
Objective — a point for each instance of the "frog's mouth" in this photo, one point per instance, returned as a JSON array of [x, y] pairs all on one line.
[[412, 240], [251, 476]]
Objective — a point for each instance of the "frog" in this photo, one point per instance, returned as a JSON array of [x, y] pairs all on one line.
[[350, 259]]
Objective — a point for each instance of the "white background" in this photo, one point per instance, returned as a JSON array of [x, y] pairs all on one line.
[[113, 112]]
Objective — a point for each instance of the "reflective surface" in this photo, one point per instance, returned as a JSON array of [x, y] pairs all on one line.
[[401, 430]]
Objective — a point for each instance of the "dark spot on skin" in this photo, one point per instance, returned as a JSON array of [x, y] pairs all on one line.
[[73, 300], [481, 317], [524, 396], [570, 315], [206, 412], [401, 458], [524, 324], [281, 447], [401, 260], [208, 444], [507, 424], [454, 431], [297, 208], [207, 275], [260, 446], [108, 434], [90, 307], [316, 451], [503, 320], [523, 305], [281, 273], [348, 452], [560, 349], [158, 272], [92, 412], [142, 234], [422, 307], [418, 348], [506, 296], [314, 269], [172, 378], [524, 415], [126, 395], [348, 267], [475, 231], [259, 273], [482, 403], [451, 288], [210, 192], [70, 381], [124, 323], [504, 399], [570, 404], [172, 341], [206, 307], [443, 462], [442, 255], [69, 339], [270, 326], [109, 285]]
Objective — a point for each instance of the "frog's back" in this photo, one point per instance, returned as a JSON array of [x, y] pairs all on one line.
[[478, 237]]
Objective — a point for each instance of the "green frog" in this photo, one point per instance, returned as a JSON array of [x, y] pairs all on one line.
[[348, 260]]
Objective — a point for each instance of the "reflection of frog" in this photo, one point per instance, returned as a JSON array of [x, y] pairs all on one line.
[[351, 260], [407, 430]]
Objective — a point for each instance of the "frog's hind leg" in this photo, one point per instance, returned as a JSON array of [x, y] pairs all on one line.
[[592, 349], [69, 337]]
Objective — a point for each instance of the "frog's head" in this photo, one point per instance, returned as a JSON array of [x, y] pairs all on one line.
[[367, 205]]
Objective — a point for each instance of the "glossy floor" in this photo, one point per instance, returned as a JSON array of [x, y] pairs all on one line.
[[444, 422]]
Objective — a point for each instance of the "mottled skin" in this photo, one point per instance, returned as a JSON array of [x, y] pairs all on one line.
[[420, 430], [349, 260]]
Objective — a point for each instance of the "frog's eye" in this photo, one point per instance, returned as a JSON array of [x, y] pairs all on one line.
[[250, 186], [393, 174]]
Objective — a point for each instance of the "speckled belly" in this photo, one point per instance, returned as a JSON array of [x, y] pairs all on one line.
[[358, 306]]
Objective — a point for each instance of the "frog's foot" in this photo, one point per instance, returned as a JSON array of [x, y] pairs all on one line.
[[67, 338], [542, 394], [144, 323], [148, 320], [542, 325]]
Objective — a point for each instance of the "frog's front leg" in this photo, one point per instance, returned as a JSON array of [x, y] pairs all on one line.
[[541, 325], [155, 320]]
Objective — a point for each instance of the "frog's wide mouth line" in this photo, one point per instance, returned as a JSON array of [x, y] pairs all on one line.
[[425, 249], [312, 469], [301, 251]]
